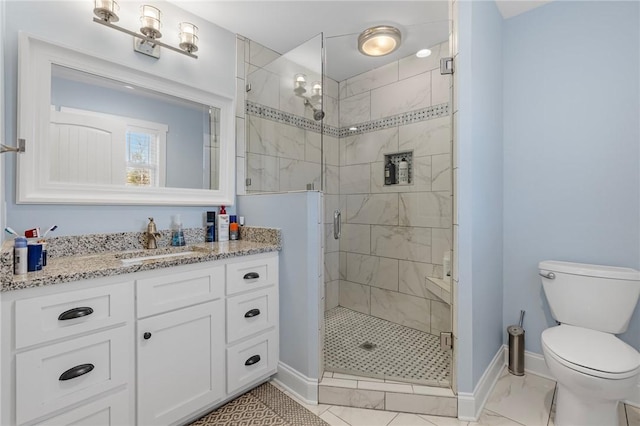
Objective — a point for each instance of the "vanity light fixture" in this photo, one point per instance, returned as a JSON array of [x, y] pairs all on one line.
[[299, 84], [379, 41], [315, 100], [146, 41], [316, 90]]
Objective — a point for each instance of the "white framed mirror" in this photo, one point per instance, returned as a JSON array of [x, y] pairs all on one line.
[[99, 132]]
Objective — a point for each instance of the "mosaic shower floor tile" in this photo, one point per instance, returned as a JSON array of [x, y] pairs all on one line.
[[363, 345]]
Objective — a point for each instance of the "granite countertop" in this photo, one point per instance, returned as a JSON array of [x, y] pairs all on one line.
[[88, 264]]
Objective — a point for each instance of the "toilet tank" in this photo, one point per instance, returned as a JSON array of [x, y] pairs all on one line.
[[597, 297]]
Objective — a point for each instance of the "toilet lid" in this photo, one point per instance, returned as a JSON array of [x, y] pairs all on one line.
[[591, 349]]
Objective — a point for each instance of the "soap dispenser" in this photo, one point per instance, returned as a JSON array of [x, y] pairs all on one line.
[[177, 234]]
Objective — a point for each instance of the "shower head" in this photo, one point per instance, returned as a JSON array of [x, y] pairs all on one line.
[[318, 114]]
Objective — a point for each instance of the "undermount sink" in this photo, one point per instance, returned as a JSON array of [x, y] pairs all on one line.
[[156, 256], [166, 253]]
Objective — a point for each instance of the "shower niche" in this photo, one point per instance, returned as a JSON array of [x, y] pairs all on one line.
[[398, 168]]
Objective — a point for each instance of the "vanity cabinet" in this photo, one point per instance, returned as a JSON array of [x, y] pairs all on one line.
[[70, 355], [159, 347], [180, 362]]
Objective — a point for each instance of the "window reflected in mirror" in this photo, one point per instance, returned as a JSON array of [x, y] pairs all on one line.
[[108, 132]]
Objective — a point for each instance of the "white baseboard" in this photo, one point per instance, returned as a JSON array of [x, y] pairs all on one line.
[[301, 386], [533, 363], [470, 405]]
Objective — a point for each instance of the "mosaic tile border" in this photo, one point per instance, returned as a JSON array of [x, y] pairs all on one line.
[[410, 117], [415, 116], [278, 116]]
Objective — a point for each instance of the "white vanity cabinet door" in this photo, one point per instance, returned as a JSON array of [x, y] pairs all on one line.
[[42, 319], [251, 313], [180, 363], [112, 410], [252, 274], [94, 364]]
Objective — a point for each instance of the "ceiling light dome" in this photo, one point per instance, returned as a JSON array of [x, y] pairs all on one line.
[[379, 41]]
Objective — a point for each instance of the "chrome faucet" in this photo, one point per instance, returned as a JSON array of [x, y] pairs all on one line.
[[152, 235]]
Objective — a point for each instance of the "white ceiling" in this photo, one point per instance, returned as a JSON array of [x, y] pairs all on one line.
[[283, 25]]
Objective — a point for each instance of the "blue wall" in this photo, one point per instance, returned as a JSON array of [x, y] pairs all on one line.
[[186, 122], [69, 23], [571, 148], [479, 183]]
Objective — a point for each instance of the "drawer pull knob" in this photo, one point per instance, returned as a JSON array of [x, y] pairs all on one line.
[[77, 371], [251, 276], [252, 313], [146, 335], [253, 360], [82, 311]]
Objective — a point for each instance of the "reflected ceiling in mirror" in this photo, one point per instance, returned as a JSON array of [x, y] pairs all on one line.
[[104, 131]]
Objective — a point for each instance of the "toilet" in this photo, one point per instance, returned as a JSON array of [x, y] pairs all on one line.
[[594, 369]]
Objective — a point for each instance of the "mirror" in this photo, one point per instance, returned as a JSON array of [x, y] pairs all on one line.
[[101, 133]]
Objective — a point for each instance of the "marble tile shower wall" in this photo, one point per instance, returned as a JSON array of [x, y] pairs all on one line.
[[394, 236]]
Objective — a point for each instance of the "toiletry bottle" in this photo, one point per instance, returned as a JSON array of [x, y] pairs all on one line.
[[389, 173], [233, 231], [223, 225], [241, 220], [446, 266], [177, 234], [211, 227], [403, 172], [20, 256]]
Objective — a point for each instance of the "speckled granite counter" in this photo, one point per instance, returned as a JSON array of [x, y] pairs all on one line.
[[101, 255]]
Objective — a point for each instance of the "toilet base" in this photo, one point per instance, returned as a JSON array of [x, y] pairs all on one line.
[[572, 410]]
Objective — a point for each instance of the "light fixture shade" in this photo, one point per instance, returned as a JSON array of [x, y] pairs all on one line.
[[316, 89], [188, 37], [379, 41], [107, 10], [299, 84], [150, 21]]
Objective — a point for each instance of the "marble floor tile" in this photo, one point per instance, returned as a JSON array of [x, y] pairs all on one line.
[[525, 399], [633, 416], [443, 421], [332, 419], [489, 418], [363, 417], [403, 419]]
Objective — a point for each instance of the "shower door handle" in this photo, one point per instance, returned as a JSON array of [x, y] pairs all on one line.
[[336, 224]]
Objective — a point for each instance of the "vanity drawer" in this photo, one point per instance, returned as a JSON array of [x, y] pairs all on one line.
[[112, 410], [252, 274], [58, 375], [46, 318], [251, 360], [178, 290], [251, 313]]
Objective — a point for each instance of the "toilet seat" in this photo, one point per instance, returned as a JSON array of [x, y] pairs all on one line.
[[591, 352]]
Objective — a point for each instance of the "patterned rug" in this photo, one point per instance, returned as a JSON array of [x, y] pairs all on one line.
[[264, 405]]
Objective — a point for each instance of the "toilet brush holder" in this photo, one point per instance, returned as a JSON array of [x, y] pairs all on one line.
[[516, 347]]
